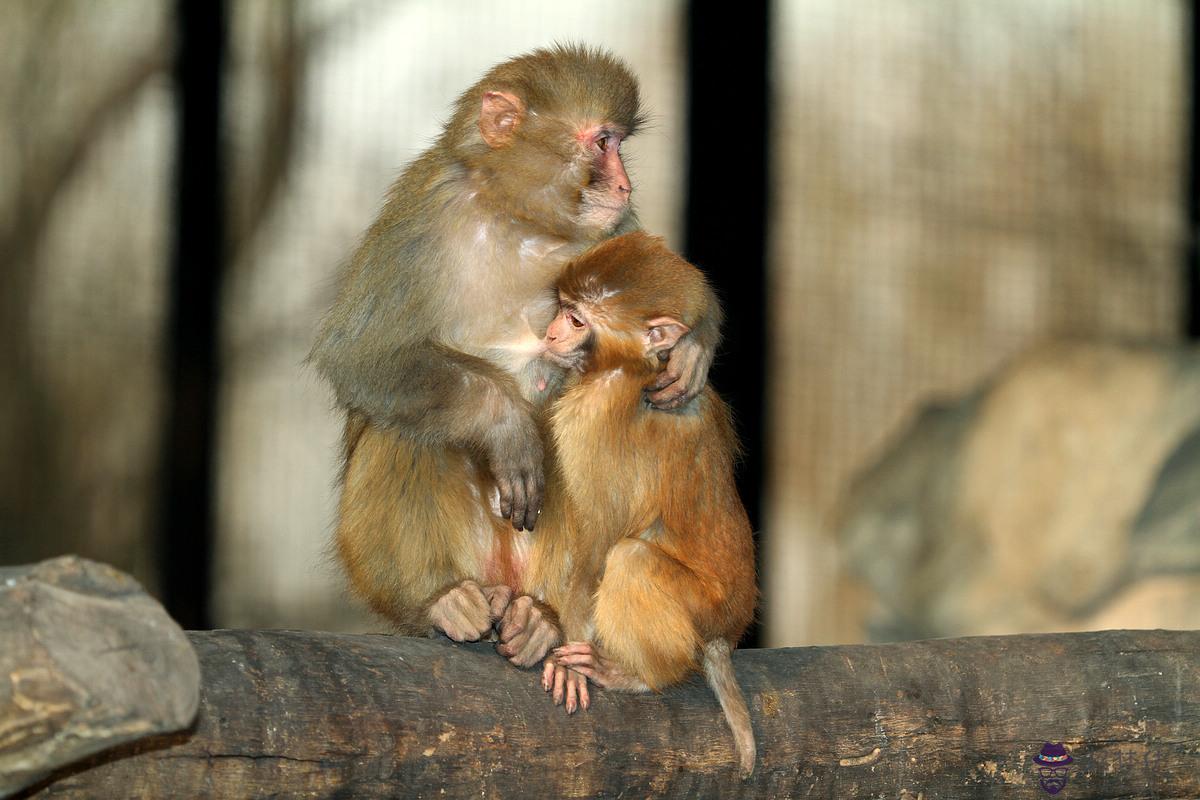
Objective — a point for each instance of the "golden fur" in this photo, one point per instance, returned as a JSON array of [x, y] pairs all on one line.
[[644, 546]]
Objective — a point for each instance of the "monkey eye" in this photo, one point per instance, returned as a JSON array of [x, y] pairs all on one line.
[[575, 321], [602, 142]]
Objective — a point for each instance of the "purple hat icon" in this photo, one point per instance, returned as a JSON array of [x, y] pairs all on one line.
[[1053, 755]]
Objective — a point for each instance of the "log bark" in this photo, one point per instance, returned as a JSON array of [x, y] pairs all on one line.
[[88, 660], [321, 715]]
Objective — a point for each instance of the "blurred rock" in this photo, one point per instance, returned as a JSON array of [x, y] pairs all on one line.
[[88, 660], [1063, 494]]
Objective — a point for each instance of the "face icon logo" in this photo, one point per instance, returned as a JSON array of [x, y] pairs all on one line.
[[1053, 767]]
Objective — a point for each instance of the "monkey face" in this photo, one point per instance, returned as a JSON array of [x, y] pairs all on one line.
[[567, 338], [604, 202]]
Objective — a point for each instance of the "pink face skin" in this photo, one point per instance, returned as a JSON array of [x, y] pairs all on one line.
[[566, 336], [566, 339], [605, 144]]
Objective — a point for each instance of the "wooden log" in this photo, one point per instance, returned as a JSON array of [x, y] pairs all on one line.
[[321, 715], [88, 660]]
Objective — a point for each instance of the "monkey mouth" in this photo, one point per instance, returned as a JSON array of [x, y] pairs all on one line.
[[571, 361], [618, 205]]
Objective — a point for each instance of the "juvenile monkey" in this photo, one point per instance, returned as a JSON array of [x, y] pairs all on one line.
[[651, 569], [432, 343]]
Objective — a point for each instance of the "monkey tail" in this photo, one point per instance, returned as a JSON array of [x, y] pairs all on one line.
[[718, 669]]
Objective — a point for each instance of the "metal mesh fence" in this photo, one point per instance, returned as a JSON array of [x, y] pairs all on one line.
[[956, 182]]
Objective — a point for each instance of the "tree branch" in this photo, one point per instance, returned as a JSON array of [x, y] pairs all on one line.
[[289, 713]]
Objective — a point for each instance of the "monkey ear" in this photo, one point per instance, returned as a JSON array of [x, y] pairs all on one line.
[[662, 333], [499, 117]]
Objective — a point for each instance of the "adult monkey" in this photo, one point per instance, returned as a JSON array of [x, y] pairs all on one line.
[[432, 343]]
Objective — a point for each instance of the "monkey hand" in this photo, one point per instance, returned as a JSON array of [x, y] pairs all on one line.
[[527, 631], [514, 454], [465, 611], [565, 685], [684, 376]]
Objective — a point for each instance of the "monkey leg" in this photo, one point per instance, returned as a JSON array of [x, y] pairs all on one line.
[[644, 620], [414, 534], [646, 637]]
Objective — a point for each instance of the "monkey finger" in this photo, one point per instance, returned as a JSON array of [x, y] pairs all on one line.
[[533, 501], [516, 618], [498, 598], [474, 623], [476, 631], [510, 650], [504, 488], [535, 646], [548, 674], [588, 672], [475, 606], [450, 616], [576, 661], [670, 397], [572, 694], [560, 679], [518, 505], [695, 382], [514, 646], [663, 380], [585, 699], [547, 636], [668, 402], [577, 684], [454, 623], [472, 593], [571, 648]]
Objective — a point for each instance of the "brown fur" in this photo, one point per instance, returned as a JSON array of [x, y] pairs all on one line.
[[655, 562], [431, 343]]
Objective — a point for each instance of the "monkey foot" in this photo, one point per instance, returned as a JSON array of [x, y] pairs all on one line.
[[527, 631], [466, 611], [566, 686], [585, 659]]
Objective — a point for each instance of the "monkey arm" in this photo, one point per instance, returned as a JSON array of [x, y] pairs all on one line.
[[438, 395], [687, 368], [424, 389]]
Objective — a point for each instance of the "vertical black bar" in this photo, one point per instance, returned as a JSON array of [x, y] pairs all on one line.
[[186, 513], [1191, 308], [727, 204]]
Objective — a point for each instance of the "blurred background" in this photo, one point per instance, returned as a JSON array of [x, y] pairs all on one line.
[[954, 240]]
